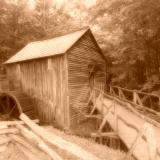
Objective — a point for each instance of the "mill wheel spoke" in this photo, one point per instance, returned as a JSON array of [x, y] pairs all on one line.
[[7, 104], [13, 108], [2, 105]]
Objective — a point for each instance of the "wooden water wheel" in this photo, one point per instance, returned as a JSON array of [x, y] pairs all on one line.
[[12, 104]]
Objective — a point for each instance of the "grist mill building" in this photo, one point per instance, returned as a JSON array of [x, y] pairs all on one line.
[[59, 74]]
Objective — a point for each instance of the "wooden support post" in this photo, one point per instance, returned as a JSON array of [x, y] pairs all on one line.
[[136, 99], [112, 92], [94, 107], [91, 95], [121, 94], [103, 123], [105, 118], [139, 100]]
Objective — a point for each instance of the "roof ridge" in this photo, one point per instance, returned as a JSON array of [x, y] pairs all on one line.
[[85, 29]]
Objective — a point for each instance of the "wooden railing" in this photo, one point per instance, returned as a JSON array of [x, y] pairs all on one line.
[[118, 95], [149, 101]]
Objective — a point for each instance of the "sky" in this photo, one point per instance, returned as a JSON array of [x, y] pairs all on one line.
[[59, 3], [31, 4], [89, 3]]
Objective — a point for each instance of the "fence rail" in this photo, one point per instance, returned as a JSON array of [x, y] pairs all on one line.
[[149, 101]]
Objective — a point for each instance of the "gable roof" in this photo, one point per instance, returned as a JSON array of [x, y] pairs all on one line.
[[46, 48]]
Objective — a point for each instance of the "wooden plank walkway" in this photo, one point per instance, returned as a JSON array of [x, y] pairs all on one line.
[[139, 132]]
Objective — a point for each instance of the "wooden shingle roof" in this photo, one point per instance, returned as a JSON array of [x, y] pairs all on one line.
[[46, 48]]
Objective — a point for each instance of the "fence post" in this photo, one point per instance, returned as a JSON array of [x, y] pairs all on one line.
[[134, 97]]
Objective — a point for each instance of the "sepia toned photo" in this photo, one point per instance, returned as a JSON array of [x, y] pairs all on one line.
[[79, 80]]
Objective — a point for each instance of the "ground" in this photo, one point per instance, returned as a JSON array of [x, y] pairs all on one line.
[[13, 152], [101, 151]]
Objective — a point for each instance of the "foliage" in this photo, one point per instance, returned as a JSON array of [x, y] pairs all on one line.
[[132, 30], [128, 31], [18, 27], [19, 24]]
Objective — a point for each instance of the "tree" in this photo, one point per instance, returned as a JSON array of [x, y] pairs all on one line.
[[18, 27], [131, 28], [127, 30]]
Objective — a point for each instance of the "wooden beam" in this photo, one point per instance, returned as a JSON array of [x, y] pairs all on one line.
[[94, 107], [130, 152], [90, 97], [27, 152], [105, 117], [21, 140], [53, 139], [144, 93], [105, 134], [128, 104], [97, 116], [39, 142], [12, 123], [9, 131], [5, 140]]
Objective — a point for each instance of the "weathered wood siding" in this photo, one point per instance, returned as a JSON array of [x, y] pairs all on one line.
[[45, 81], [84, 53], [13, 76], [61, 85]]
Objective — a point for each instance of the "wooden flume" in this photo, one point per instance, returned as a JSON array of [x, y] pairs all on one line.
[[127, 121]]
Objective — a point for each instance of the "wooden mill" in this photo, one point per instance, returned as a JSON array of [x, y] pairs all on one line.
[[59, 74], [63, 76]]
